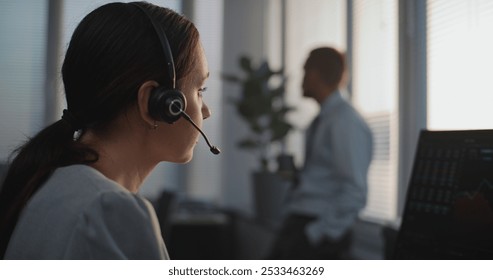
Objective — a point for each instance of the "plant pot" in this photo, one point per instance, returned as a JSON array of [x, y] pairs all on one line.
[[269, 192]]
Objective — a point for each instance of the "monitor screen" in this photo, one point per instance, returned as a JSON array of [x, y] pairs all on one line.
[[449, 203]]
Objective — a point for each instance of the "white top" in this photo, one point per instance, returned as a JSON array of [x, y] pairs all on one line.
[[80, 214]]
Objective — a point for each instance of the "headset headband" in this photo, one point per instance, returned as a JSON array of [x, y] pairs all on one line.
[[164, 44]]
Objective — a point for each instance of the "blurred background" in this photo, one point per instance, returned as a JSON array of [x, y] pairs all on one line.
[[413, 65]]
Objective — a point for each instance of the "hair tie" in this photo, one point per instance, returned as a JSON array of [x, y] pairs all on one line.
[[71, 120]]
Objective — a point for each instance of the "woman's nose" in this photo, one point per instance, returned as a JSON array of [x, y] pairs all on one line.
[[206, 113]]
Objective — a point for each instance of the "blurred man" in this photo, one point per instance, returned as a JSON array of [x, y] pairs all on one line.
[[332, 185]]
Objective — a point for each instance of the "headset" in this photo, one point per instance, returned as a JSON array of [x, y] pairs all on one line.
[[166, 104]]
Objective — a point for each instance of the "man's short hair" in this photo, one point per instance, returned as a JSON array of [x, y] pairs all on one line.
[[329, 62]]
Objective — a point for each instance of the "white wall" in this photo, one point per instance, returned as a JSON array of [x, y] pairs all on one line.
[[244, 27]]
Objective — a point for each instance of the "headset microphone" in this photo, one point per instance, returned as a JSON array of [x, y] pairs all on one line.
[[215, 150]]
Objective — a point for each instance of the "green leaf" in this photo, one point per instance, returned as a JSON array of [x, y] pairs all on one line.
[[246, 64], [279, 130], [264, 71]]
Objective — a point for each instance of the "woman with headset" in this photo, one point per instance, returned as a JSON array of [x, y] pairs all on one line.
[[71, 190]]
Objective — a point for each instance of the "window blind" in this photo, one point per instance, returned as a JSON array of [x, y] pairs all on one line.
[[459, 64], [22, 61], [375, 84]]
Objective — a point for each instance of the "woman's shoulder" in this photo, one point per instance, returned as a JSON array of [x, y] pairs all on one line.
[[78, 190], [84, 177], [94, 191], [122, 224], [92, 217], [117, 224]]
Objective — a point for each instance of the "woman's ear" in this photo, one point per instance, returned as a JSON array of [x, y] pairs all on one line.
[[143, 96]]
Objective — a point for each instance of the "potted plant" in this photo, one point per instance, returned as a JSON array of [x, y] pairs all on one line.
[[261, 105]]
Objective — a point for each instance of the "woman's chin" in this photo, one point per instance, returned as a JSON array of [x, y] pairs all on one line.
[[185, 158]]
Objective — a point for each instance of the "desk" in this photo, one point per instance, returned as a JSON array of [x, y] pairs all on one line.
[[201, 231], [254, 238], [201, 236]]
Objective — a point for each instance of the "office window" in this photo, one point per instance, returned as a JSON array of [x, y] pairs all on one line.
[[374, 94], [460, 58], [22, 62], [309, 24]]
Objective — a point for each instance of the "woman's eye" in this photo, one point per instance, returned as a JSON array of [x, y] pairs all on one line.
[[202, 90]]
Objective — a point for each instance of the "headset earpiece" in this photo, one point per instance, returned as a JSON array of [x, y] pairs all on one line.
[[166, 105]]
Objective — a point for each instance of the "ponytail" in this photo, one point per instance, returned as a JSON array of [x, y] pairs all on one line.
[[33, 163]]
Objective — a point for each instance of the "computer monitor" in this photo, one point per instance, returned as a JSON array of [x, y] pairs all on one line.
[[448, 212]]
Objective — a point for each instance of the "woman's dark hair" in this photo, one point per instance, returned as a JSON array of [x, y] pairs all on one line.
[[113, 51]]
